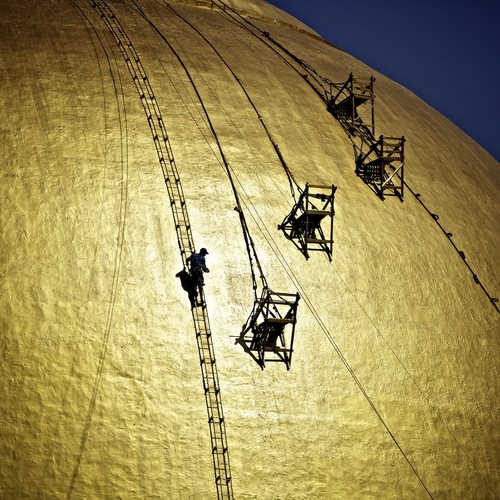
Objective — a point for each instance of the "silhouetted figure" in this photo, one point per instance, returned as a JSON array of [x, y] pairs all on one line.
[[187, 283], [198, 267]]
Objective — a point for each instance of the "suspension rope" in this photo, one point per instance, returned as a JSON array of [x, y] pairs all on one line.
[[291, 180], [262, 35], [228, 115]]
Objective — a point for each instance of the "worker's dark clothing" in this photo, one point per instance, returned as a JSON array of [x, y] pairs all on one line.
[[198, 267], [197, 261]]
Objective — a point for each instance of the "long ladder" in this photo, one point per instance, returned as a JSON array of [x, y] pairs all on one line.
[[219, 447]]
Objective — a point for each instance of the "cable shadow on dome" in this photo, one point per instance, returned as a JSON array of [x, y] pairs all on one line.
[[122, 119]]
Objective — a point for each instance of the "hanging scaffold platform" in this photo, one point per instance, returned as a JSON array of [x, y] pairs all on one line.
[[264, 336], [303, 224]]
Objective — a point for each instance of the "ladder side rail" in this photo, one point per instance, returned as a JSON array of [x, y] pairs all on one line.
[[213, 400]]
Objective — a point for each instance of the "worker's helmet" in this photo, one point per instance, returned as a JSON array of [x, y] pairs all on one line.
[[203, 251]]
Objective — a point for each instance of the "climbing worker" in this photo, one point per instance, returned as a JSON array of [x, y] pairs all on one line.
[[198, 266]]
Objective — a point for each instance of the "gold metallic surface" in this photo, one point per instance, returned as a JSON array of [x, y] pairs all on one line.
[[100, 384]]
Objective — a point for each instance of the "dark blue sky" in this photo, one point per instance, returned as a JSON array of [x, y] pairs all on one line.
[[445, 51]]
